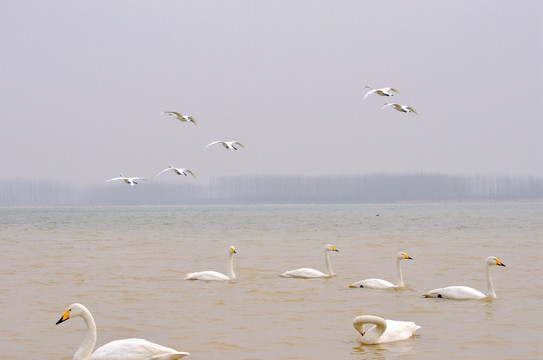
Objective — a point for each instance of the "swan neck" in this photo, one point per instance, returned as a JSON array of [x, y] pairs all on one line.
[[400, 275], [231, 273], [89, 341], [490, 284], [329, 270], [375, 332]]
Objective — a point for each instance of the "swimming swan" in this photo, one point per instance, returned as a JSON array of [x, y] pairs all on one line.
[[133, 349], [383, 284], [384, 331], [213, 275], [465, 292], [383, 91], [307, 273]]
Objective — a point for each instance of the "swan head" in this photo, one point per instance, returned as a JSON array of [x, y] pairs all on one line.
[[73, 310], [331, 247], [403, 256], [492, 260], [232, 250]]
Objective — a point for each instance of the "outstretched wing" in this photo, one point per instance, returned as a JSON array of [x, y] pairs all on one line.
[[190, 172], [164, 171], [240, 144], [410, 108], [213, 143], [117, 178], [173, 113]]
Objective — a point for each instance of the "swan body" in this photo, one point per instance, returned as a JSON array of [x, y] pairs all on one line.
[[128, 349], [214, 275], [307, 273], [401, 108], [383, 284], [178, 171], [382, 91], [227, 144], [128, 180], [180, 117], [383, 331], [465, 292]]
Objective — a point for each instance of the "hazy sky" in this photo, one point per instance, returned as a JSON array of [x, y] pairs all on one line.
[[84, 84]]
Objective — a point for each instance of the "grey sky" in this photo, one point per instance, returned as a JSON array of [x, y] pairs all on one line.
[[84, 84]]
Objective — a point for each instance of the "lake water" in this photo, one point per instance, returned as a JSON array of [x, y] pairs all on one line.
[[126, 264]]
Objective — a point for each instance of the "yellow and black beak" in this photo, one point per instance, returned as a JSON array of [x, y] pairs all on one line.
[[498, 262], [64, 317], [334, 249], [407, 256]]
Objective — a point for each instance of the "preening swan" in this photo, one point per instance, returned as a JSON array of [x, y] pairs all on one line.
[[383, 284], [227, 144], [180, 117], [133, 349], [401, 108], [383, 331], [178, 171], [465, 292], [214, 275], [382, 91], [129, 180], [307, 273]]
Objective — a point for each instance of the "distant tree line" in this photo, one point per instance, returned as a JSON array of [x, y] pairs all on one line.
[[376, 188]]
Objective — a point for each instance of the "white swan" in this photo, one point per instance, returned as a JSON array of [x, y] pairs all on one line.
[[227, 144], [133, 349], [129, 180], [384, 331], [214, 275], [382, 91], [401, 108], [178, 171], [307, 273], [465, 292], [383, 284], [180, 117]]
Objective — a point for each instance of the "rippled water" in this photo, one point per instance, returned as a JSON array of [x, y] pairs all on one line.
[[127, 264]]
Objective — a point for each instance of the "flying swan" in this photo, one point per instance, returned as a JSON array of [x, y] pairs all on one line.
[[133, 349], [214, 275], [180, 117], [178, 171], [383, 331], [306, 273], [401, 108], [129, 180], [383, 284], [383, 91], [465, 292], [227, 144]]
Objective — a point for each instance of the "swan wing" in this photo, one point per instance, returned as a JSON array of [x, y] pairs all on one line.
[[398, 330], [213, 143], [387, 105], [206, 275], [173, 113], [164, 171], [117, 178], [395, 90], [456, 293], [373, 284], [136, 349], [192, 120], [190, 172], [369, 93], [240, 144], [304, 273], [410, 108]]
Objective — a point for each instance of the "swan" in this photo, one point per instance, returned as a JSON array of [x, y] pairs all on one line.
[[227, 144], [401, 108], [180, 117], [383, 91], [384, 331], [465, 292], [383, 284], [306, 273], [133, 349], [178, 171], [214, 275], [129, 180]]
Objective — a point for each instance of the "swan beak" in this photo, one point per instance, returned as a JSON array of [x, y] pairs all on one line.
[[407, 257], [234, 251], [362, 333], [64, 317], [498, 262], [334, 249]]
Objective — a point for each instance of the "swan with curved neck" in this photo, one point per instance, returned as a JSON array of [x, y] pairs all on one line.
[[214, 275], [133, 349], [383, 284], [465, 292], [383, 331], [306, 273]]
